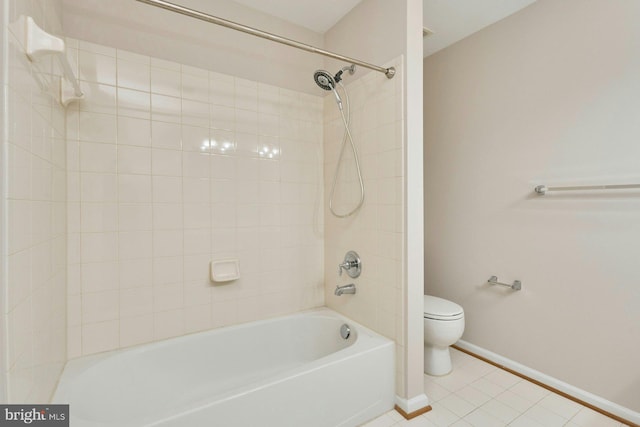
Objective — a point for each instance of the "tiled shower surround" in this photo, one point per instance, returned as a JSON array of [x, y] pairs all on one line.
[[377, 230], [34, 194], [170, 167]]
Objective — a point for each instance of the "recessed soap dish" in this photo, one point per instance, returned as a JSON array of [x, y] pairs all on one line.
[[225, 270]]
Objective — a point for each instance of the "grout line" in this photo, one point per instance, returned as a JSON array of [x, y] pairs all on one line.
[[548, 387]]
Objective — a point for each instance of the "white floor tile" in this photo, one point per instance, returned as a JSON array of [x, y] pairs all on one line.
[[500, 411], [461, 423], [524, 421], [419, 421], [480, 418], [514, 401], [545, 417], [529, 391], [434, 390], [503, 378], [562, 406], [457, 405], [454, 381], [589, 418], [395, 415], [487, 387], [477, 368], [441, 416], [382, 421], [473, 396]]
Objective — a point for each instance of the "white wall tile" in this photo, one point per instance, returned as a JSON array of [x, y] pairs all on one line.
[[136, 301], [187, 166], [95, 127], [97, 68], [134, 103], [195, 113], [99, 247], [195, 87], [166, 135], [98, 187], [100, 306], [165, 82], [134, 75], [99, 98], [195, 139], [135, 245], [136, 330], [135, 273], [98, 337], [134, 188], [167, 216], [134, 216], [134, 160], [132, 131], [165, 108], [167, 324], [96, 157], [98, 217]]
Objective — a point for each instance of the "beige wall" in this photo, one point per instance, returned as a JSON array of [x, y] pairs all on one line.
[[548, 96], [170, 167], [33, 203], [151, 31]]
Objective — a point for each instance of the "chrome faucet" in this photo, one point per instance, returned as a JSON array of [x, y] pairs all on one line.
[[346, 289]]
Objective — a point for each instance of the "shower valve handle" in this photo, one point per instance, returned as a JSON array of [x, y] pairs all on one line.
[[344, 266], [351, 264]]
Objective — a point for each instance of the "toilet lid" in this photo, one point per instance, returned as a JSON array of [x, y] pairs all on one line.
[[441, 309]]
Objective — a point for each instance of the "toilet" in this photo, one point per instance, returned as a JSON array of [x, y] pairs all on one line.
[[443, 326]]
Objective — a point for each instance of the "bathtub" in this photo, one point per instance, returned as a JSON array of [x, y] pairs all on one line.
[[289, 371]]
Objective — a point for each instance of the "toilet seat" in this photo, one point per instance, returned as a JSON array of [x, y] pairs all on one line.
[[441, 309]]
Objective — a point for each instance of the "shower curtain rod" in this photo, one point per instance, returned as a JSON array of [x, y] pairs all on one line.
[[389, 72]]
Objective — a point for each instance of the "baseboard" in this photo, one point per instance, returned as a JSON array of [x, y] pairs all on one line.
[[590, 400], [411, 408]]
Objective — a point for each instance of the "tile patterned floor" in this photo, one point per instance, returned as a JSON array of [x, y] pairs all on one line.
[[480, 395]]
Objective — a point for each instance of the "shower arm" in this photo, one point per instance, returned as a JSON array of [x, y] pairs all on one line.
[[389, 72]]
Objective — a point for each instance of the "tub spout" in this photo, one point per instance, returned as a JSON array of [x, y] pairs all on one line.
[[346, 289]]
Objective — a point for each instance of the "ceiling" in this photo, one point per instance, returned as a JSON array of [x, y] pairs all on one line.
[[453, 20], [450, 20], [316, 15]]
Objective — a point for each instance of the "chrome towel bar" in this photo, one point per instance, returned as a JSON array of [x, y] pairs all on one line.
[[516, 286], [542, 189]]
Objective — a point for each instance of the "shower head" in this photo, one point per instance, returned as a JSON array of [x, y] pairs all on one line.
[[324, 80], [327, 82]]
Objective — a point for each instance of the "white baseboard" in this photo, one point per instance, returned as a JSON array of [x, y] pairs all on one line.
[[416, 403], [555, 383]]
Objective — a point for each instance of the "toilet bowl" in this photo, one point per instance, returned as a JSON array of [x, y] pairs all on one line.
[[443, 326]]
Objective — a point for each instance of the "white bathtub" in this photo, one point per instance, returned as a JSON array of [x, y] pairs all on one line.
[[290, 371]]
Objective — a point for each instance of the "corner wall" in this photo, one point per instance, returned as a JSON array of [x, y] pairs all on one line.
[[385, 133], [539, 99], [34, 208]]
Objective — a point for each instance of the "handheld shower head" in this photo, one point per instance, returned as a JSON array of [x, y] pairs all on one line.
[[324, 80], [327, 82]]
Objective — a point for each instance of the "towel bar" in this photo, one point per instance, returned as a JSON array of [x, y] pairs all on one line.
[[516, 286]]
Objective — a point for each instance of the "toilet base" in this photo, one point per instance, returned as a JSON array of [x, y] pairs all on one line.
[[437, 361]]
